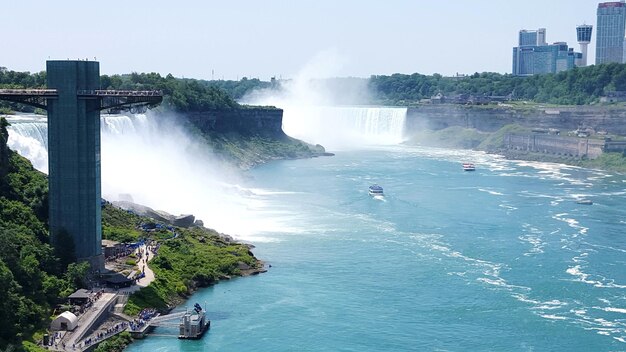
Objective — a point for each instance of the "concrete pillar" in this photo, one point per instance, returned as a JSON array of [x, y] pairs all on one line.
[[74, 159]]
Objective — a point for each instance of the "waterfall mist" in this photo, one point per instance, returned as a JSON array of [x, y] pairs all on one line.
[[156, 162], [163, 166], [332, 111]]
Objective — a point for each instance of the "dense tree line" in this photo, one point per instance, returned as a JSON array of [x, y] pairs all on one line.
[[14, 79], [32, 276], [577, 86], [238, 89], [581, 85], [180, 94]]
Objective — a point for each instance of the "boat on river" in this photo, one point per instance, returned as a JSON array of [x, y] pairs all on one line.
[[375, 190], [194, 324], [469, 167]]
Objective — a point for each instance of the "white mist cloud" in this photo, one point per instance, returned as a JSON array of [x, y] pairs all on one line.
[[330, 111], [30, 148], [160, 165]]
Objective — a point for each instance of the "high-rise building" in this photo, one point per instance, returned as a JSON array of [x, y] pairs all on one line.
[[533, 55], [610, 32], [583, 36], [532, 37]]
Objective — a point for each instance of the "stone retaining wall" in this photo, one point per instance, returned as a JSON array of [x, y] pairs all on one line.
[[568, 146]]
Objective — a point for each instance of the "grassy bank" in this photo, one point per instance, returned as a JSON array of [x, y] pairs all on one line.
[[249, 151], [188, 258]]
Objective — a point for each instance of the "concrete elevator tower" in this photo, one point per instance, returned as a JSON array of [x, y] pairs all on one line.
[[583, 36], [74, 159], [73, 99]]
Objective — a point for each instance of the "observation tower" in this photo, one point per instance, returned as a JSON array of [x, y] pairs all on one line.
[[73, 100], [583, 35]]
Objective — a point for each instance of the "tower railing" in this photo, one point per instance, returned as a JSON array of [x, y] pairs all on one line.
[[119, 93]]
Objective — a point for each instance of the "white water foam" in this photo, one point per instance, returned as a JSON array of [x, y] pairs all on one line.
[[162, 166], [28, 135], [533, 236]]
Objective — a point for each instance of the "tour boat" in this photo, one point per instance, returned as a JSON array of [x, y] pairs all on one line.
[[194, 324], [469, 167], [376, 190]]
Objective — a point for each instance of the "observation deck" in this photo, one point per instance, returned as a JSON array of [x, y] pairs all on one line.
[[109, 99]]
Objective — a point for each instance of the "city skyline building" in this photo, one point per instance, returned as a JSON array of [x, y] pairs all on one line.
[[611, 22], [534, 55], [532, 37]]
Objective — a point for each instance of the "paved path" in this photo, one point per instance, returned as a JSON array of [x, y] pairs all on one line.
[[74, 340], [86, 320], [149, 274]]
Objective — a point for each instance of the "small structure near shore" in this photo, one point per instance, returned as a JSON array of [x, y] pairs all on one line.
[[65, 321], [193, 326], [80, 297]]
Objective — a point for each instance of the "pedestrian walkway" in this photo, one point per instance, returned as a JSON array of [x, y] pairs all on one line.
[[144, 257], [76, 340], [85, 322]]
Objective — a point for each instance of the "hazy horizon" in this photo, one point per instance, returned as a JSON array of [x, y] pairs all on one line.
[[276, 38]]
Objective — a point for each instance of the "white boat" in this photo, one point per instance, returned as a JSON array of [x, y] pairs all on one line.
[[375, 190], [469, 167], [585, 201]]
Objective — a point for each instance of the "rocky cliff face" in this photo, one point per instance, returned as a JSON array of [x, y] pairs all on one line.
[[250, 136], [490, 119], [266, 122], [4, 149]]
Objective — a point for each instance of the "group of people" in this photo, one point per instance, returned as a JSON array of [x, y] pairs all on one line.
[[144, 316], [125, 253], [55, 339], [101, 335]]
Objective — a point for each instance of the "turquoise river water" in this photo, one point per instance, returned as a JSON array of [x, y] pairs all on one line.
[[500, 259]]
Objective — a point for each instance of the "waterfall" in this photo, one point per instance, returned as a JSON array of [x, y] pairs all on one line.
[[156, 162], [345, 127], [28, 135]]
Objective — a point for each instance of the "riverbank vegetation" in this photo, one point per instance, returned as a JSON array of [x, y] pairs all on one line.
[[33, 277], [580, 85], [249, 151], [187, 258], [196, 257]]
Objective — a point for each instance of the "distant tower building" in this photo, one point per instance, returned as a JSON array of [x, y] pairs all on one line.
[[610, 32], [533, 55], [583, 35]]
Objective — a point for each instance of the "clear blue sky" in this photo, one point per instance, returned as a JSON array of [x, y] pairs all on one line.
[[264, 38]]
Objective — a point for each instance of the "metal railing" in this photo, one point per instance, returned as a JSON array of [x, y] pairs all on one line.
[[29, 92], [119, 93]]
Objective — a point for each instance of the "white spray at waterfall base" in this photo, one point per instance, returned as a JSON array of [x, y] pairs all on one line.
[[163, 166], [329, 111], [28, 135], [156, 162]]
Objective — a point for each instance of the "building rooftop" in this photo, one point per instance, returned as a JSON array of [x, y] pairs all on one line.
[[612, 4], [80, 294]]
